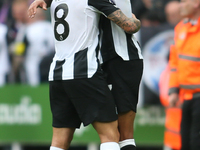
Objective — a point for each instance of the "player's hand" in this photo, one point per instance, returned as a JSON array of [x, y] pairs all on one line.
[[33, 7], [173, 99]]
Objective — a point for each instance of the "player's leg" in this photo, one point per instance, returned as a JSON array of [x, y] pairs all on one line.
[[126, 130], [62, 138], [108, 134], [126, 122], [107, 131], [95, 105], [125, 77], [65, 117]]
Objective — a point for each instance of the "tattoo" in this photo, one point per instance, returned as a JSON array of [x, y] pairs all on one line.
[[130, 25]]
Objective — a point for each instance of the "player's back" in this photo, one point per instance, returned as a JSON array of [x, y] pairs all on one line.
[[75, 26]]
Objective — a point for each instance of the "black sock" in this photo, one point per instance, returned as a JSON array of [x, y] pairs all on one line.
[[128, 147]]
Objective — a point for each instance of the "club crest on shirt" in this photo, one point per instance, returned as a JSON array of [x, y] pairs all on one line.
[[61, 38]]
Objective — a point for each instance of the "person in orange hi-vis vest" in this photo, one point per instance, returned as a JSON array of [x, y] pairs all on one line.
[[185, 73], [172, 138]]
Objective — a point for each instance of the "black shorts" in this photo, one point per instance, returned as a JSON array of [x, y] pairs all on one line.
[[81, 101], [125, 77]]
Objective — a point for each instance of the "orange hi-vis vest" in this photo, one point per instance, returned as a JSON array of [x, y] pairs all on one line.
[[185, 59], [172, 137]]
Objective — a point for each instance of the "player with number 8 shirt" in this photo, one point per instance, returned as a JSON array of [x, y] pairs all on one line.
[[78, 90]]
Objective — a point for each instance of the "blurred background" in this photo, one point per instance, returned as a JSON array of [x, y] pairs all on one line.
[[26, 51]]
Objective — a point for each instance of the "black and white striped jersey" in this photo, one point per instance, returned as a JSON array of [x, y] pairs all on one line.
[[115, 41], [76, 32]]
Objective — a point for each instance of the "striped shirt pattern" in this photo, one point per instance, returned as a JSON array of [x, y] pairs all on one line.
[[115, 41], [76, 32]]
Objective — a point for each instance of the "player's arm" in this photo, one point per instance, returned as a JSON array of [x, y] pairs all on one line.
[[109, 9], [44, 4], [129, 25]]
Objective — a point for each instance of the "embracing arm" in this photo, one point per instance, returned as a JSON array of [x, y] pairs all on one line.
[[44, 4], [129, 25]]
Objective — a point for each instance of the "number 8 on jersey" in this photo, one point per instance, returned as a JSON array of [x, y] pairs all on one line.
[[61, 27]]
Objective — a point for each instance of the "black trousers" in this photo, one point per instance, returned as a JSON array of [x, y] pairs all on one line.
[[190, 125]]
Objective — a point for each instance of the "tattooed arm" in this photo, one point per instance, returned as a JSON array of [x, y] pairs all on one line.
[[38, 3], [129, 25]]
